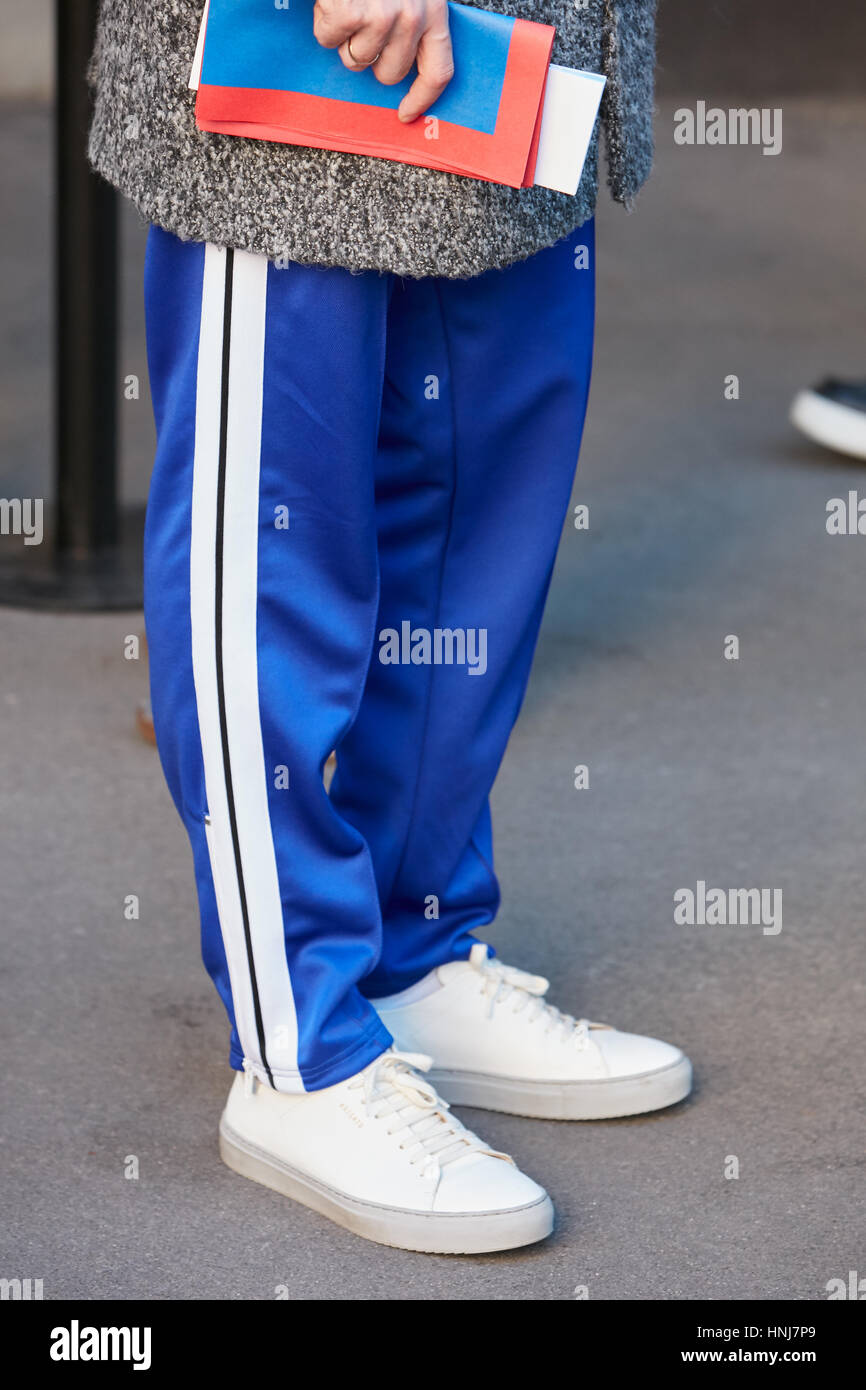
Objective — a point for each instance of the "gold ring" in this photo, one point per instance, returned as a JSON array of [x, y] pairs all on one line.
[[357, 61]]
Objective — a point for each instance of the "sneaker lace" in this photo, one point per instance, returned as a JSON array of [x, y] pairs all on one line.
[[433, 1137], [526, 992]]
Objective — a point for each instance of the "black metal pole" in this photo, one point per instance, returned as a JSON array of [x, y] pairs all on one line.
[[86, 306], [91, 557]]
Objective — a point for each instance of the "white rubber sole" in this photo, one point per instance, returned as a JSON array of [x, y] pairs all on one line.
[[836, 426], [433, 1233], [567, 1100]]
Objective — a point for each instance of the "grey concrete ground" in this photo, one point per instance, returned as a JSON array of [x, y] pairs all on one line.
[[707, 519]]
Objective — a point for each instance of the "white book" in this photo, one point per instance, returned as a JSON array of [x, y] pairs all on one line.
[[571, 102]]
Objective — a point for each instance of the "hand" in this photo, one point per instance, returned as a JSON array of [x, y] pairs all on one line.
[[389, 36]]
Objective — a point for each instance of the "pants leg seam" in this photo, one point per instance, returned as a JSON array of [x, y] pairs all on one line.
[[445, 545]]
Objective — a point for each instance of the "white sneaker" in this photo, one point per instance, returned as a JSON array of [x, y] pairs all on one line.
[[380, 1155], [834, 414], [496, 1044]]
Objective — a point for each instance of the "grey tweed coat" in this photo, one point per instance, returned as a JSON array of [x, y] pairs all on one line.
[[330, 209]]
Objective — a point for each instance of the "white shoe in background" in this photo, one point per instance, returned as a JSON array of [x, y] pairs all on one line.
[[498, 1045], [833, 413]]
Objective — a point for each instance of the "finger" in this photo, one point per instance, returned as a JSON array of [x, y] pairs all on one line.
[[398, 54], [367, 43], [435, 70], [334, 24]]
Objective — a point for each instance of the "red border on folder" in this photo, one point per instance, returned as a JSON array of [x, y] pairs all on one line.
[[507, 156], [529, 176]]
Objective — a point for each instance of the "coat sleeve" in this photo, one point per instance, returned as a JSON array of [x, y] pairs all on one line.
[[628, 63]]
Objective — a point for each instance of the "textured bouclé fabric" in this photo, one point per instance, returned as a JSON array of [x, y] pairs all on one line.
[[322, 208], [628, 41]]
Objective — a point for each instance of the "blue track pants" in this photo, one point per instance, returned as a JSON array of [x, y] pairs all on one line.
[[359, 487]]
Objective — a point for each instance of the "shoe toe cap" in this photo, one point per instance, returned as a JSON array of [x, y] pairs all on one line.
[[629, 1054], [482, 1183]]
